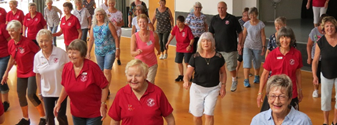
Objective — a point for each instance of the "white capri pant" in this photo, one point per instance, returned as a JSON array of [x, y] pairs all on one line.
[[326, 92], [151, 75], [318, 11], [203, 99]]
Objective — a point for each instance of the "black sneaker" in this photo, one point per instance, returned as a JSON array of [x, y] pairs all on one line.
[[6, 105], [24, 122], [179, 78], [42, 121], [119, 62]]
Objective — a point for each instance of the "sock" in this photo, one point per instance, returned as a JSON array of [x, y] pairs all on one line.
[[26, 118], [43, 117], [233, 79]]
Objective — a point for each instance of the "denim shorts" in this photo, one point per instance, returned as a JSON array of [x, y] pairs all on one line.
[[105, 62], [3, 65], [249, 56]]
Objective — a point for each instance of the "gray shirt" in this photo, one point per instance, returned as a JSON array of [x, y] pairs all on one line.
[[51, 16], [314, 35], [253, 38], [82, 16]]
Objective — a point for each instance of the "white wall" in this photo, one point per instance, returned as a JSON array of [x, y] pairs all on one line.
[[209, 6]]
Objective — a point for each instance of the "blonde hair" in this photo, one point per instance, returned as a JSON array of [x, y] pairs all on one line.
[[140, 65], [328, 19], [44, 32], [142, 16], [14, 2], [205, 36], [281, 20]]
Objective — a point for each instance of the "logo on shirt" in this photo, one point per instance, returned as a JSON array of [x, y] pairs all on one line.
[[292, 61], [130, 108], [69, 24], [36, 19], [56, 60], [183, 34], [28, 19], [0, 14], [150, 102], [63, 23], [17, 17], [227, 22], [149, 43], [21, 50], [84, 77]]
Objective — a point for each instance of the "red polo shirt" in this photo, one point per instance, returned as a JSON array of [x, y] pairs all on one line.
[[183, 38], [34, 25], [85, 90], [3, 14], [69, 28], [3, 40], [150, 110], [284, 64], [23, 53], [18, 16]]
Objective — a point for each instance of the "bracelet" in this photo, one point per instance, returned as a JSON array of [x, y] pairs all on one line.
[[260, 93], [39, 94], [103, 103], [117, 48]]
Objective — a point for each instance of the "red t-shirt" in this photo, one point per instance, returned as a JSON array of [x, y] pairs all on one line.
[[85, 90], [153, 105], [34, 25], [69, 28], [3, 40], [318, 3], [183, 38], [18, 16], [284, 64], [3, 14], [23, 53]]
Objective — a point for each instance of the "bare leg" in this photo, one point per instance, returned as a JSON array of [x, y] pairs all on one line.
[[39, 109], [246, 73], [197, 120], [181, 68], [326, 117], [209, 120], [25, 111]]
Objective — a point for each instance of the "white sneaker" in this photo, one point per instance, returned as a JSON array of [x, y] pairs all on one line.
[[161, 56], [165, 56], [315, 94]]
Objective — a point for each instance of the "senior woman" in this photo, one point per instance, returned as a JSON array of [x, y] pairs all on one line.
[[209, 79], [164, 26], [22, 51], [319, 7], [34, 21], [135, 27], [326, 50], [84, 17], [70, 26], [15, 13], [84, 83], [133, 9], [285, 59], [90, 5], [279, 92], [4, 58], [197, 22], [104, 35], [52, 17], [149, 105], [254, 46], [48, 66], [143, 44]]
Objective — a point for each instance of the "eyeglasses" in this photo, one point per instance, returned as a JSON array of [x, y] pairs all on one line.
[[197, 7], [280, 97]]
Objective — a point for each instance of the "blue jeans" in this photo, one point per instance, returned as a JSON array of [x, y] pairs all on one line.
[[3, 65], [105, 62], [54, 30], [84, 35], [87, 121], [250, 55]]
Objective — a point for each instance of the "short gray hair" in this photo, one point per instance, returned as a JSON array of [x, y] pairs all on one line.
[[197, 4], [281, 19], [48, 1], [32, 4], [280, 81], [94, 20], [78, 45], [14, 24], [44, 32], [140, 65], [14, 2], [142, 8], [205, 36], [286, 32], [80, 1]]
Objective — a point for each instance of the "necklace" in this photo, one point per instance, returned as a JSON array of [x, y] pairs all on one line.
[[208, 60]]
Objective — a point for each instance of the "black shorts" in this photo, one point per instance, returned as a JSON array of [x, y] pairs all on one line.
[[181, 56]]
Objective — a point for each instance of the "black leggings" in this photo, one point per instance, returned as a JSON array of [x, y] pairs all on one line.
[[49, 104], [22, 85]]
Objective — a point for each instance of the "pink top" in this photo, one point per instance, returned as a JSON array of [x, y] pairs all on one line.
[[318, 3], [147, 55]]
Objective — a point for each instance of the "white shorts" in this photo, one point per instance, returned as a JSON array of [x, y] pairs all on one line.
[[318, 11], [203, 99]]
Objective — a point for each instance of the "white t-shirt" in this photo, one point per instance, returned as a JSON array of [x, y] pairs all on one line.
[[104, 7], [134, 23], [116, 17], [50, 71], [82, 16]]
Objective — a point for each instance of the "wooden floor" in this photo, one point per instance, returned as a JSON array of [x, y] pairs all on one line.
[[235, 108]]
